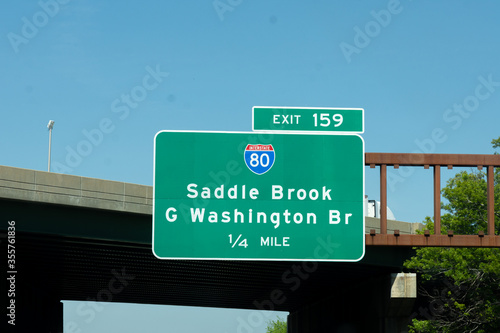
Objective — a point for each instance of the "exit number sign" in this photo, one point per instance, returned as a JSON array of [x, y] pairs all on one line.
[[298, 119]]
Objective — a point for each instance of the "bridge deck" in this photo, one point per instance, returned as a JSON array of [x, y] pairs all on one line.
[[73, 234]]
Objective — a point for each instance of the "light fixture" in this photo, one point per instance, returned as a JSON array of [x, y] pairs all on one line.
[[50, 125]]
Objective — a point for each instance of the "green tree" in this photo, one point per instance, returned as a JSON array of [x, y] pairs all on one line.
[[467, 202], [461, 285], [276, 326], [496, 143]]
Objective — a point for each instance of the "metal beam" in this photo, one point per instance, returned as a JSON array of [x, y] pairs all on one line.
[[437, 199], [491, 201], [458, 160], [383, 199], [449, 240], [436, 161]]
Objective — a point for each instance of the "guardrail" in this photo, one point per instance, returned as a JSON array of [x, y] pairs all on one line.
[[436, 161]]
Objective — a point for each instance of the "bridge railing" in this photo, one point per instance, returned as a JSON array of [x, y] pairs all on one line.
[[436, 161]]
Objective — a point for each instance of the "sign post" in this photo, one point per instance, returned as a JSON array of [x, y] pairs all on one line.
[[258, 196]]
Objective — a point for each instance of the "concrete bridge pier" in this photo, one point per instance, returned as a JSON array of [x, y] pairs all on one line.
[[35, 310], [384, 305], [43, 314], [33, 286]]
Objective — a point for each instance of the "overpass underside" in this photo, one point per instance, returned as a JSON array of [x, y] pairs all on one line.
[[89, 240], [86, 254]]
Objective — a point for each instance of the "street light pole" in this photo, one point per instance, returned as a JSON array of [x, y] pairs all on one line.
[[50, 126]]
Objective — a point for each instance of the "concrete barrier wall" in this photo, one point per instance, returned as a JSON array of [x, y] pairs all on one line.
[[41, 186], [47, 187]]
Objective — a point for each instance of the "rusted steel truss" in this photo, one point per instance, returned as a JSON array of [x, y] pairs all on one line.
[[436, 161]]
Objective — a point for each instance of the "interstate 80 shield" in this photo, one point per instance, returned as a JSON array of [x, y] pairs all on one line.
[[259, 158]]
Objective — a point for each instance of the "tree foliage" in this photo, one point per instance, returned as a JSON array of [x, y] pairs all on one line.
[[461, 285], [496, 143], [467, 202], [276, 326]]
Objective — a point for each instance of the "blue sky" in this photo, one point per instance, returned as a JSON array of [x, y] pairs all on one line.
[[112, 74]]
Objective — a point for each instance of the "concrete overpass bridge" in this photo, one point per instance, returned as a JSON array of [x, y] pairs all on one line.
[[87, 239]]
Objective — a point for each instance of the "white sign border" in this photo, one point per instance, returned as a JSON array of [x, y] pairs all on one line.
[[256, 133]]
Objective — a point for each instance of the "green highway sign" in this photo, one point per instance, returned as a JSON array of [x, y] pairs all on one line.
[[258, 196], [298, 119]]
